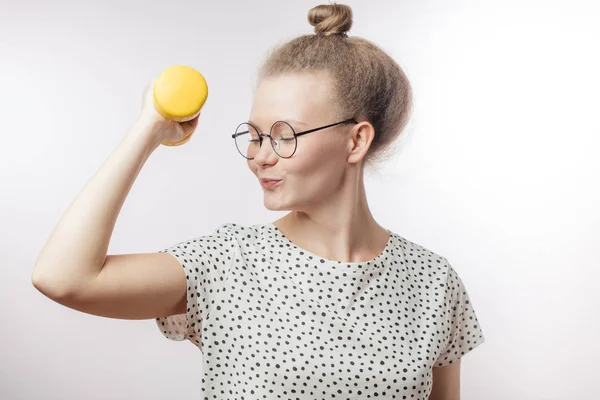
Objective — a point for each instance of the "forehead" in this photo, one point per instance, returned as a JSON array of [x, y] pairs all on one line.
[[299, 96]]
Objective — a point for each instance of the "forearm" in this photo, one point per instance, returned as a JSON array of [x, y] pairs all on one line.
[[77, 247]]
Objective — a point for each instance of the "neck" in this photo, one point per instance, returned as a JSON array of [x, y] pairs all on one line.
[[341, 229]]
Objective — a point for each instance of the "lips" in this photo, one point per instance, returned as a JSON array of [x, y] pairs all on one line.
[[268, 183], [266, 180]]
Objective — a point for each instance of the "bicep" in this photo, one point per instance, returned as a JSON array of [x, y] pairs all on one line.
[[446, 382], [133, 286]]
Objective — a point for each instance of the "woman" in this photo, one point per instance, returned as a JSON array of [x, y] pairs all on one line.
[[322, 303]]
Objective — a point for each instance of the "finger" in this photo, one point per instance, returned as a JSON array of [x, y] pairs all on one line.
[[190, 125], [148, 89]]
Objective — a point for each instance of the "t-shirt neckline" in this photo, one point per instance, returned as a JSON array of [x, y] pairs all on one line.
[[356, 266]]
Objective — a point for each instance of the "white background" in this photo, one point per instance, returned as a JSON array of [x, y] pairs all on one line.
[[499, 172]]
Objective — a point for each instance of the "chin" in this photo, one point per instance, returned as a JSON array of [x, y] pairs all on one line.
[[275, 207], [276, 203]]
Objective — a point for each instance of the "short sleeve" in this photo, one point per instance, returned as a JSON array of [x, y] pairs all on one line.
[[460, 329], [207, 261]]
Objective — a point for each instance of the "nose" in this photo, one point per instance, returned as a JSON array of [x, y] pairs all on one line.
[[265, 153]]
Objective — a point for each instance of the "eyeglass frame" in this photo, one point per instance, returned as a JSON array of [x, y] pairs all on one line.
[[296, 134]]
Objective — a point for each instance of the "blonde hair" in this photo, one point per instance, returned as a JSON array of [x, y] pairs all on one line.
[[369, 85]]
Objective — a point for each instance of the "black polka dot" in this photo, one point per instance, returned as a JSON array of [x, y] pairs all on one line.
[[275, 321]]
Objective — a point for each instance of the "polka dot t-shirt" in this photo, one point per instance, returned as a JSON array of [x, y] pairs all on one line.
[[274, 321]]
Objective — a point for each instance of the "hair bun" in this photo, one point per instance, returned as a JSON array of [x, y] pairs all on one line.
[[331, 19]]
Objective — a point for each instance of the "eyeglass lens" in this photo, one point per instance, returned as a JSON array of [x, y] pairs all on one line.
[[283, 140]]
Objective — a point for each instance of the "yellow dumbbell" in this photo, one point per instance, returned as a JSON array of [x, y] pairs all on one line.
[[179, 94]]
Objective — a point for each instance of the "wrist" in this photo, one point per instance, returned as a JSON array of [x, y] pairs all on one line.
[[144, 135]]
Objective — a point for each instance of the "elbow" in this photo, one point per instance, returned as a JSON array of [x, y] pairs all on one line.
[[48, 288]]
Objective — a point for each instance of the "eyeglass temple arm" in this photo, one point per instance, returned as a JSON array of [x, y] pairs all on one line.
[[238, 134], [327, 126]]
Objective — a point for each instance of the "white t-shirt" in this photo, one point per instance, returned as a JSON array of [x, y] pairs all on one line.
[[274, 321]]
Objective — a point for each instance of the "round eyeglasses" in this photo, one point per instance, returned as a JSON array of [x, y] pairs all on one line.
[[248, 139]]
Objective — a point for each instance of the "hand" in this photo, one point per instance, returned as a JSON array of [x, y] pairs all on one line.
[[158, 127]]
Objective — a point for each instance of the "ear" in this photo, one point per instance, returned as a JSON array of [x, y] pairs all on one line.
[[359, 141]]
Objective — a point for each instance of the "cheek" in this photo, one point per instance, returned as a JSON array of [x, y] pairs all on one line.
[[326, 151], [317, 163], [251, 165]]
